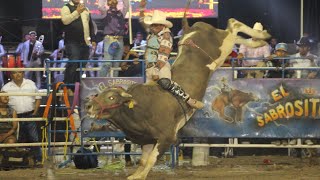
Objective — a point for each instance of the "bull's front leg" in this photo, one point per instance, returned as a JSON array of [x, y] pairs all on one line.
[[146, 151], [148, 164]]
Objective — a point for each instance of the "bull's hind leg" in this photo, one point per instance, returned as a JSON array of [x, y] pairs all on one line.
[[235, 26], [225, 49]]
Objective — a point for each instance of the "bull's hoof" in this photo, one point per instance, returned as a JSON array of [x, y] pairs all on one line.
[[212, 66], [135, 177]]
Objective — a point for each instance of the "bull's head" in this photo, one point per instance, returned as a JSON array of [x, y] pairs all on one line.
[[104, 104]]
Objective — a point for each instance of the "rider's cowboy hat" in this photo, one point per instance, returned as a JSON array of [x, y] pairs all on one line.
[[158, 17]]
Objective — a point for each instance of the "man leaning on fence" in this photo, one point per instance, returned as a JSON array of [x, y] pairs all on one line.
[[307, 60], [26, 107], [248, 52]]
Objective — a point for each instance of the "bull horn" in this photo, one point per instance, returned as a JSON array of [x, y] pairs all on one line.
[[124, 94]]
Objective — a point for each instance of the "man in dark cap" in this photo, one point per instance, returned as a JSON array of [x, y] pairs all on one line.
[[307, 60]]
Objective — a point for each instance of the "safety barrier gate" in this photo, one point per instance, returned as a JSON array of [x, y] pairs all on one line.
[[107, 138], [233, 141]]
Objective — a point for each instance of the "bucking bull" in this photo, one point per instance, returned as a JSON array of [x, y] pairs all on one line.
[[151, 116]]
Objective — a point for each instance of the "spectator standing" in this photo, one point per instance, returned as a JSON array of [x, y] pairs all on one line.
[[26, 107], [31, 53], [79, 35], [114, 30], [26, 37], [57, 55]]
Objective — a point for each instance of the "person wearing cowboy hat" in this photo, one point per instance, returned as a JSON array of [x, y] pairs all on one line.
[[307, 60], [248, 52], [159, 44], [159, 47]]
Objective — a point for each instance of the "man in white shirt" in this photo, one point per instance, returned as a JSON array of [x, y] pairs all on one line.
[[26, 107], [79, 35], [308, 60]]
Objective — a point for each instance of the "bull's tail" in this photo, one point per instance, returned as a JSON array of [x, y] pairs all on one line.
[[185, 24]]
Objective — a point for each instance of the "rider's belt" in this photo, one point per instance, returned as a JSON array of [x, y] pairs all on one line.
[[113, 37]]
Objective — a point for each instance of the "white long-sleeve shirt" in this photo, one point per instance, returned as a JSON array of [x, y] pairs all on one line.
[[249, 52], [67, 18], [19, 48]]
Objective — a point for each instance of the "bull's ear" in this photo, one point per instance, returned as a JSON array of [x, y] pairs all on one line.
[[131, 103]]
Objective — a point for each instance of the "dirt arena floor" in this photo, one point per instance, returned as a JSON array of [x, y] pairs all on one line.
[[242, 167]]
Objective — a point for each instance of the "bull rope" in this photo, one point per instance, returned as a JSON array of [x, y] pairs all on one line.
[[189, 42]]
